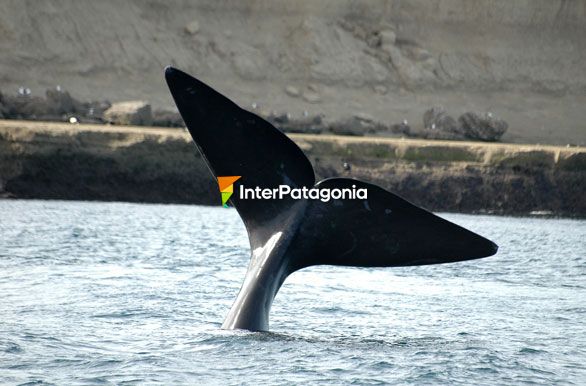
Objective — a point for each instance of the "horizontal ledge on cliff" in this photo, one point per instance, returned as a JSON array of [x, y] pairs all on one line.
[[347, 147]]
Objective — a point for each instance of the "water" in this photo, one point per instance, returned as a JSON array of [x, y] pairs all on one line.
[[113, 293]]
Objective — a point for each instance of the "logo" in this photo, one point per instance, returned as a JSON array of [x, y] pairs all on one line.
[[226, 185]]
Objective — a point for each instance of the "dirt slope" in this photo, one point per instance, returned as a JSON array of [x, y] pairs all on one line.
[[524, 60]]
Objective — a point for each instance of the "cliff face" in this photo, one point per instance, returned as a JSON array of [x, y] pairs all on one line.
[[88, 162], [523, 60]]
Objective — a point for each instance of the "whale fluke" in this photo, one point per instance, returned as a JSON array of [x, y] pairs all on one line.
[[382, 230]]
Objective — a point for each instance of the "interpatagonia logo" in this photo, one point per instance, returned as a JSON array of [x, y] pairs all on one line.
[[303, 193], [226, 185], [283, 191]]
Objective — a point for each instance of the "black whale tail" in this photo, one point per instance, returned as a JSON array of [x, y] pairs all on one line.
[[380, 230]]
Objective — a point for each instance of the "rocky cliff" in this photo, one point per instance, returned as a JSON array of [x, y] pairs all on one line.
[[92, 162]]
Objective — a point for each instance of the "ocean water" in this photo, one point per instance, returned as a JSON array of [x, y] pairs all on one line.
[[116, 293]]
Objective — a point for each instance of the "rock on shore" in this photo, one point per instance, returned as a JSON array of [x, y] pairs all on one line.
[[136, 113]]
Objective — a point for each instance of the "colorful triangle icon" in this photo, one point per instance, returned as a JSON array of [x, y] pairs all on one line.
[[226, 185]]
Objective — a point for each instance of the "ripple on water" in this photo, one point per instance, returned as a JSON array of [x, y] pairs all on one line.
[[117, 293]]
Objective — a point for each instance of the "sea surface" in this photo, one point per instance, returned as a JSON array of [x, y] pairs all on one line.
[[117, 293]]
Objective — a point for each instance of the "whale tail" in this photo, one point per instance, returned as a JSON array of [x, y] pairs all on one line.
[[287, 234]]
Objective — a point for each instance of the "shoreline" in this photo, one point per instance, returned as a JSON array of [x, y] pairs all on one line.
[[49, 160], [543, 216]]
